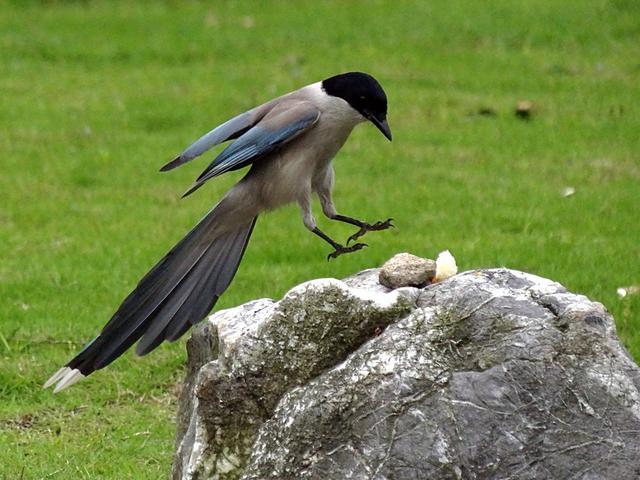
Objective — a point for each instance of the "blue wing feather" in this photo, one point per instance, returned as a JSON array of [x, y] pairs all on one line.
[[277, 128], [229, 130], [218, 135]]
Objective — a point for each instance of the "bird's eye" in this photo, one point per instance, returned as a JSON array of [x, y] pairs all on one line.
[[362, 97]]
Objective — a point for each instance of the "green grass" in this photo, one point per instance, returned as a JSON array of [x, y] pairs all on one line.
[[96, 96]]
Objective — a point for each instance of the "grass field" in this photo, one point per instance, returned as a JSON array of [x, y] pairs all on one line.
[[96, 96]]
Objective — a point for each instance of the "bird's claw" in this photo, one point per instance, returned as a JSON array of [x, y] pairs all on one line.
[[368, 227], [340, 250]]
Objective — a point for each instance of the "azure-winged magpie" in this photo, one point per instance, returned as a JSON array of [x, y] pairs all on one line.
[[288, 143]]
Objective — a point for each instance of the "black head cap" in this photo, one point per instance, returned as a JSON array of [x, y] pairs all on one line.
[[364, 94]]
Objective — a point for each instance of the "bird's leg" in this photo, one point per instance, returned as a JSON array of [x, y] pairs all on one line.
[[329, 209], [364, 226], [339, 249], [310, 223]]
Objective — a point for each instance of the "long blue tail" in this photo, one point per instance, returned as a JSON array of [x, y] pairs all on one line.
[[177, 293]]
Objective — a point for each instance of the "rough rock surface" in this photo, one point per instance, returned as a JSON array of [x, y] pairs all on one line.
[[407, 270], [491, 374]]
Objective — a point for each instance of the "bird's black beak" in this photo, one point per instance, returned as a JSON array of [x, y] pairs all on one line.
[[381, 125]]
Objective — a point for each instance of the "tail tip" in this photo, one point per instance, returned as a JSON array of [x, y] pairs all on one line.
[[56, 376], [192, 189], [172, 164], [65, 377]]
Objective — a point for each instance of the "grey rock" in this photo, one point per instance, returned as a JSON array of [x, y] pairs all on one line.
[[407, 270], [491, 374], [243, 360]]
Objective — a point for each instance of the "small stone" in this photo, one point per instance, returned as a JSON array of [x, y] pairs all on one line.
[[406, 270], [631, 290], [524, 109]]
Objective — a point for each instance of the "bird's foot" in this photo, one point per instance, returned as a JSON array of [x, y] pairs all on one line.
[[368, 227], [340, 250]]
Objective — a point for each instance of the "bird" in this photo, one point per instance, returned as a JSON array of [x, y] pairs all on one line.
[[289, 144]]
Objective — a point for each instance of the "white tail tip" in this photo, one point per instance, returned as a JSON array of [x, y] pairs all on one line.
[[56, 376], [69, 379], [65, 377]]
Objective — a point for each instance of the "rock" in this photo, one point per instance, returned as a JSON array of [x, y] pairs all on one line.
[[264, 349], [406, 270], [489, 374], [524, 109]]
